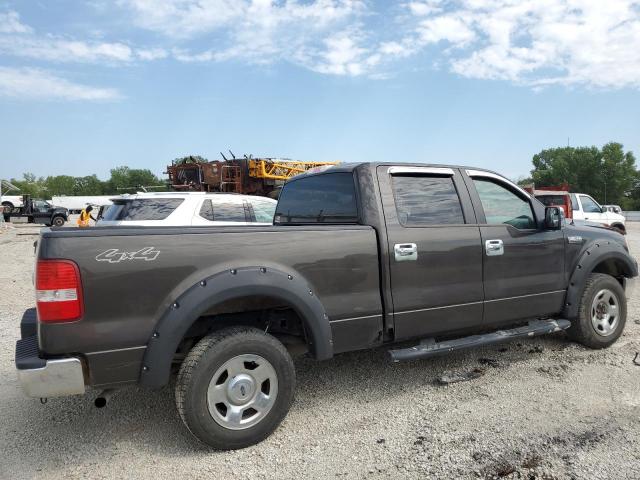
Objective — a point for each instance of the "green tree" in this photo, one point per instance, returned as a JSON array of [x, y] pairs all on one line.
[[60, 185], [607, 174], [125, 178], [29, 185], [89, 185]]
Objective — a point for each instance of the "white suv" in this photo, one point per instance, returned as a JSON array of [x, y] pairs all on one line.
[[586, 208], [196, 208]]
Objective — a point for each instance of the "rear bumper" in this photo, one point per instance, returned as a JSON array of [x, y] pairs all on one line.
[[42, 378]]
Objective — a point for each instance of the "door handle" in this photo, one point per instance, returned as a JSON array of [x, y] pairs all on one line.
[[494, 247], [405, 252]]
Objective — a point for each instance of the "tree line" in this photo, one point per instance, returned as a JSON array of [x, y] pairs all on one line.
[[608, 174], [122, 180]]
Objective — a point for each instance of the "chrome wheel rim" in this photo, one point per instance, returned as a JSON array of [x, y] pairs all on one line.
[[242, 391], [605, 312]]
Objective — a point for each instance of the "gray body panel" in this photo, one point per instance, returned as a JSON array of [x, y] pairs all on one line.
[[369, 297]]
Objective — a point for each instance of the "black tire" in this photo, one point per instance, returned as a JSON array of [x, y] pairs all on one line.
[[7, 208], [204, 361], [58, 221], [582, 329]]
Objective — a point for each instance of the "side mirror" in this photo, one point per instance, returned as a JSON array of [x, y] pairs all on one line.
[[552, 218]]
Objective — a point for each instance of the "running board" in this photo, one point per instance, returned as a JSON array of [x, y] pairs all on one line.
[[429, 347]]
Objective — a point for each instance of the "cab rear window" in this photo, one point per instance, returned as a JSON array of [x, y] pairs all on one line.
[[329, 198], [142, 209]]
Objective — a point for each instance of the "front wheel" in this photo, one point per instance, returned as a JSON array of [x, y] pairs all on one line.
[[235, 387], [602, 314]]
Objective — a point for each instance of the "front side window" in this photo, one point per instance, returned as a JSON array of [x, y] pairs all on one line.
[[142, 209], [263, 210], [326, 198], [426, 200], [223, 211], [574, 202], [589, 205], [502, 206]]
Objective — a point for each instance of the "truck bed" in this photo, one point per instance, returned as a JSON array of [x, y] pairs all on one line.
[[131, 286]]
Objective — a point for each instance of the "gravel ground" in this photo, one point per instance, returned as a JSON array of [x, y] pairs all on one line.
[[542, 409]]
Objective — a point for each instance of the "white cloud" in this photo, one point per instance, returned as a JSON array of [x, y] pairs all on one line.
[[342, 56], [528, 42], [49, 48], [10, 23], [538, 42], [151, 54], [187, 18], [31, 83]]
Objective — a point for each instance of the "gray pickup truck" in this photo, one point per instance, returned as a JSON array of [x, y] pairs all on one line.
[[426, 258]]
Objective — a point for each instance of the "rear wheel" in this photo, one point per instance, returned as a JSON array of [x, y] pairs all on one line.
[[7, 208], [602, 314], [235, 387]]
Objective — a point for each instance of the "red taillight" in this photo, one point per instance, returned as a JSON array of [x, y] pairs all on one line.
[[58, 291]]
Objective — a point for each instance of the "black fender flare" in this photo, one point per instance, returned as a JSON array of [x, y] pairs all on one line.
[[224, 286], [597, 252]]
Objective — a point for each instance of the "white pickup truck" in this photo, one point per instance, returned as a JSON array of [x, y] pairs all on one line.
[[10, 202], [586, 208]]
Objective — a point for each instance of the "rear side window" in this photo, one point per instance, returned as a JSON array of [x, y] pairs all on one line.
[[426, 200], [263, 210], [327, 198], [142, 209], [223, 212]]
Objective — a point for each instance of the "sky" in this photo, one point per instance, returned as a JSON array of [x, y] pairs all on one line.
[[86, 86]]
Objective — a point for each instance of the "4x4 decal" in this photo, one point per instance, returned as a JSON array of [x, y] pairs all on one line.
[[113, 255]]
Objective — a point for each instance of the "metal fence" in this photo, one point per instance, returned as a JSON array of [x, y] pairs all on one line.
[[632, 216]]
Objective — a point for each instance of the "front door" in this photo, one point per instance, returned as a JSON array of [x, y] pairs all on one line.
[[435, 256], [592, 211], [523, 263]]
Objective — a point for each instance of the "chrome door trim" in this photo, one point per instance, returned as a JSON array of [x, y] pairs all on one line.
[[495, 176], [424, 170], [438, 308], [525, 296]]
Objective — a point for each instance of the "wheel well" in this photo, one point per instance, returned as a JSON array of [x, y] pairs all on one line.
[[265, 313], [614, 267], [619, 226]]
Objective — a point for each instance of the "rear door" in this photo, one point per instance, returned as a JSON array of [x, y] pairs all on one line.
[[523, 263], [435, 253]]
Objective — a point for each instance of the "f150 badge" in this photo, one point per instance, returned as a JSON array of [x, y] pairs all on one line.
[[113, 255]]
